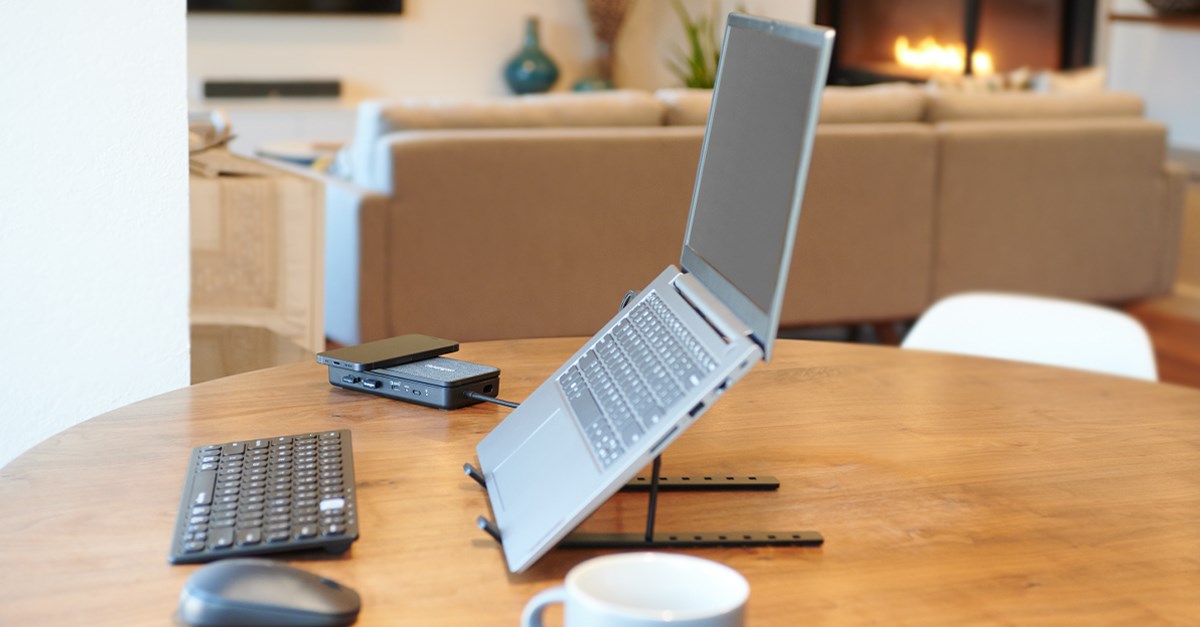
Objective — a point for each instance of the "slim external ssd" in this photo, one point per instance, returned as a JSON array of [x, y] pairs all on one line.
[[393, 351], [440, 382]]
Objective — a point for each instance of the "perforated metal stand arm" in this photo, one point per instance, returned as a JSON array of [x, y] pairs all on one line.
[[685, 539]]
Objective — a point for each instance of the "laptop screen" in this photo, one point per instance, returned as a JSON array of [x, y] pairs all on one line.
[[753, 167]]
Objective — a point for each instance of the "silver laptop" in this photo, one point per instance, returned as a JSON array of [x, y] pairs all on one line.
[[693, 332]]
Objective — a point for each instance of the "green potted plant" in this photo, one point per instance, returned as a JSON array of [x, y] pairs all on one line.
[[697, 66]]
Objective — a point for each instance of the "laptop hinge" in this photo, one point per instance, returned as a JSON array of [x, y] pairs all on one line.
[[714, 311]]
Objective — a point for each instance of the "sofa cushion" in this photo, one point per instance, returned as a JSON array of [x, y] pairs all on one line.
[[377, 118], [946, 107], [684, 106], [889, 102], [884, 103], [613, 108]]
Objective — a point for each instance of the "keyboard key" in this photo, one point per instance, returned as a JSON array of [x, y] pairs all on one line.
[[221, 538], [631, 433], [249, 536], [645, 363], [202, 487]]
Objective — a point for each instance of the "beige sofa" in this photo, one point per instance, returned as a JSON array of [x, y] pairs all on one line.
[[532, 216]]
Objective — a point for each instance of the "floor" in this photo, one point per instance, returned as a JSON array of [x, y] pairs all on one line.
[[1174, 327], [1174, 321]]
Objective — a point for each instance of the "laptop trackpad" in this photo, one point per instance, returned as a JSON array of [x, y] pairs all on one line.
[[547, 471]]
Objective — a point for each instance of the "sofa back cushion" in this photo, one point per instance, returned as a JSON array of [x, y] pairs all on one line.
[[876, 104], [590, 109], [684, 106], [377, 118], [948, 107], [889, 102]]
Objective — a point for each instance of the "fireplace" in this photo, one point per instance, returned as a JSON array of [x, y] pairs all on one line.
[[914, 40]]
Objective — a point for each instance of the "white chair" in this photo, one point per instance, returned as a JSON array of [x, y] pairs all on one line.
[[1036, 329]]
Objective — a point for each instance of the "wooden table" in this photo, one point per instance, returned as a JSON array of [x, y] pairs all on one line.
[[950, 490]]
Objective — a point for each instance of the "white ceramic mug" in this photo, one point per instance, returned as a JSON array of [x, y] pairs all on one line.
[[644, 590]]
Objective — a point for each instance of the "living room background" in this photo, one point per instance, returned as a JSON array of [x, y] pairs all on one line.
[[441, 48]]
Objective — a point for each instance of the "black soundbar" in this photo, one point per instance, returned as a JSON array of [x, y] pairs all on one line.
[[331, 88]]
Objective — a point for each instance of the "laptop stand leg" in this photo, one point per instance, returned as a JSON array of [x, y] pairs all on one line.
[[653, 505], [474, 474], [705, 483], [490, 528], [687, 539]]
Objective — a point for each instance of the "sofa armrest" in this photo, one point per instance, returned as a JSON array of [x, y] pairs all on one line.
[[355, 252], [1078, 209]]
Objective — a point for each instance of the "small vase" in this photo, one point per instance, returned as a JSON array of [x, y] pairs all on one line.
[[531, 70], [603, 80]]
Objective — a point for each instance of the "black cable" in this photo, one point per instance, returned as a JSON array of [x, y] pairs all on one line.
[[491, 399]]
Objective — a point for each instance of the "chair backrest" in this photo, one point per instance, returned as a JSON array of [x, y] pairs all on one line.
[[1038, 330]]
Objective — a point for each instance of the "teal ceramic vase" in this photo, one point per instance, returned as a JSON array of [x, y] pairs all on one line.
[[531, 70]]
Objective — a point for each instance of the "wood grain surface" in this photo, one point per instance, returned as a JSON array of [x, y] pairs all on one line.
[[950, 490]]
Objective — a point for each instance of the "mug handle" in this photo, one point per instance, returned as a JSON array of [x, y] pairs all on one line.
[[532, 616]]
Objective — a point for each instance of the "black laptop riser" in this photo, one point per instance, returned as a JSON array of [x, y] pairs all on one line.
[[678, 539]]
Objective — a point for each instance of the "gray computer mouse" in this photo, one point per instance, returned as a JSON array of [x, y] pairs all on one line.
[[247, 591]]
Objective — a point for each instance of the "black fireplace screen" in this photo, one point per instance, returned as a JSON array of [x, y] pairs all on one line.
[[880, 40]]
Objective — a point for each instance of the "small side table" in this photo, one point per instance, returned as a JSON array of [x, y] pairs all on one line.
[[258, 247], [299, 152], [224, 350]]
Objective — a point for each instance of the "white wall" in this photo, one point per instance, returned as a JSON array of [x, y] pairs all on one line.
[[1158, 63], [442, 47], [93, 210]]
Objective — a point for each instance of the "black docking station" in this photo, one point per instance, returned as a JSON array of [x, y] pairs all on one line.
[[440, 382]]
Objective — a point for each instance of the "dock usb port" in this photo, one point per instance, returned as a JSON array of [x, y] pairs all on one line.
[[695, 411]]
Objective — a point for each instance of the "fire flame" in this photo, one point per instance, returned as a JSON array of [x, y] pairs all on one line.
[[930, 55]]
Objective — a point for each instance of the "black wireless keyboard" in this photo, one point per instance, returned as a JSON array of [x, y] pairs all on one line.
[[264, 496]]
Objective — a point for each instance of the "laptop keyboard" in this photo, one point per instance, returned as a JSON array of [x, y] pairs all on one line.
[[620, 387]]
